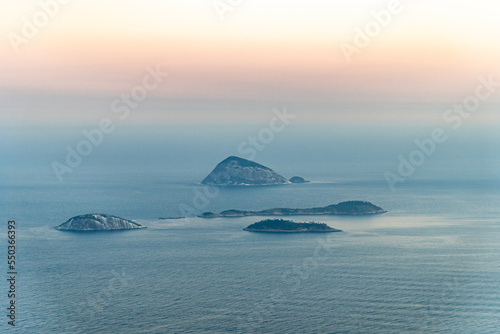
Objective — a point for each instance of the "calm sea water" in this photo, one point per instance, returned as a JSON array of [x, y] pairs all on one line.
[[430, 265]]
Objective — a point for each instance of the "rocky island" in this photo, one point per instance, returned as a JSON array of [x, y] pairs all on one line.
[[97, 222], [343, 208], [235, 171], [288, 226]]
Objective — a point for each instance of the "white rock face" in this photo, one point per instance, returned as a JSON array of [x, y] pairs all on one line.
[[97, 222], [236, 171]]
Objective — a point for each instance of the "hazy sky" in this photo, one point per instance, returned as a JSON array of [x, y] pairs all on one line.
[[254, 50]]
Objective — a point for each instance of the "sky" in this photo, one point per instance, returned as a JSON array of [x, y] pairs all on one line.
[[195, 79], [234, 59]]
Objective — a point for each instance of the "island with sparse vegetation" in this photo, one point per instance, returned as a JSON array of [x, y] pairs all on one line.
[[343, 208], [288, 226]]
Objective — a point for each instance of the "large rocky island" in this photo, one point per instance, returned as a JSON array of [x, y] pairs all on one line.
[[288, 226], [235, 171], [343, 208], [97, 222]]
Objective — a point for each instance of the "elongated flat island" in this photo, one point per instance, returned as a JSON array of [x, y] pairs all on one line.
[[343, 208], [288, 226]]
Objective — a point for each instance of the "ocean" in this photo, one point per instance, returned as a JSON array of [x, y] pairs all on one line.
[[429, 265]]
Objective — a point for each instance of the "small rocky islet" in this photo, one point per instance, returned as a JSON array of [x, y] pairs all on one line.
[[298, 179]]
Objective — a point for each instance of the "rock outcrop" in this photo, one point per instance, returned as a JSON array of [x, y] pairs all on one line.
[[97, 222], [298, 179]]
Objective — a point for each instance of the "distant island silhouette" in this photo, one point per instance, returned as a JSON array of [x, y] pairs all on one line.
[[288, 226], [343, 208]]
